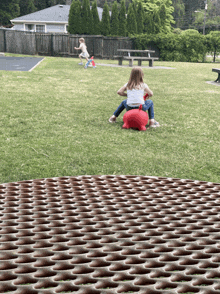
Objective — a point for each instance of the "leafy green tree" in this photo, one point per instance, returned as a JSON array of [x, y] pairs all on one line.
[[74, 22], [105, 22], [114, 20], [122, 19], [131, 20], [140, 18], [96, 20], [9, 9], [213, 43], [154, 10], [26, 7], [178, 13]]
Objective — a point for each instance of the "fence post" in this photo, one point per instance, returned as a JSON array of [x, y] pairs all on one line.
[[5, 42], [52, 49]]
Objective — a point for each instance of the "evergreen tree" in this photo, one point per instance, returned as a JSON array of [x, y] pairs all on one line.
[[90, 23], [114, 20], [96, 20], [9, 9], [122, 20], [26, 7], [131, 20], [74, 22], [85, 13], [140, 18], [105, 22]]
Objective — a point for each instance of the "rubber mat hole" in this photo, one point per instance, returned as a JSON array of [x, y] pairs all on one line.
[[115, 257], [139, 271], [118, 267], [84, 281], [106, 285], [82, 270], [96, 253], [7, 288], [102, 274], [25, 269], [127, 243], [123, 278], [7, 256], [63, 267], [44, 273], [45, 285], [143, 281], [134, 260], [7, 265], [7, 276], [61, 256], [44, 262], [25, 259], [128, 289], [23, 281], [66, 288]]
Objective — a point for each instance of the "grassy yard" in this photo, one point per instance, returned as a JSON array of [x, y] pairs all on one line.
[[54, 122]]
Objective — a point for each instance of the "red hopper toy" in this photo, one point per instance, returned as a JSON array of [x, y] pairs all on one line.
[[136, 118]]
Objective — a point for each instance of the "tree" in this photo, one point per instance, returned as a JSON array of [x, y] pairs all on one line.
[[122, 20], [26, 7], [158, 14], [74, 22], [131, 20], [96, 20], [140, 18], [9, 9], [105, 22], [178, 13], [114, 20], [85, 14]]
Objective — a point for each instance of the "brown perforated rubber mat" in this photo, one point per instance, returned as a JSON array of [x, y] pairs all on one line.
[[109, 235]]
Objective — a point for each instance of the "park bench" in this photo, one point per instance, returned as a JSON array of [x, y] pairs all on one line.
[[218, 72], [2, 54], [138, 58]]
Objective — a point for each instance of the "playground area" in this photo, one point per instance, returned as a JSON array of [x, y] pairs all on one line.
[[87, 207]]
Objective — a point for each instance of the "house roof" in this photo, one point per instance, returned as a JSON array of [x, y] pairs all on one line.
[[57, 13]]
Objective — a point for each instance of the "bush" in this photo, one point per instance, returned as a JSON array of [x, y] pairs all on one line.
[[189, 45]]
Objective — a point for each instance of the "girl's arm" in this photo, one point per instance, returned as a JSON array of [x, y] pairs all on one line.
[[121, 91], [76, 48], [148, 91]]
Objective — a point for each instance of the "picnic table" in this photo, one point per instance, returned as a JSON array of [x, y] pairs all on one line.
[[139, 58]]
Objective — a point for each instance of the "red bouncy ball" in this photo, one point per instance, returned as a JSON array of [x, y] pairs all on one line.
[[135, 119]]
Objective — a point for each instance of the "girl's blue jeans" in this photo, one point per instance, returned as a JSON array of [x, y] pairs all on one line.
[[147, 106]]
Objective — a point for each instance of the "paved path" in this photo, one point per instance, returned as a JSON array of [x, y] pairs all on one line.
[[10, 63]]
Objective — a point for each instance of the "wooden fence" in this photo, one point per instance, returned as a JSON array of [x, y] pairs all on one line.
[[31, 43]]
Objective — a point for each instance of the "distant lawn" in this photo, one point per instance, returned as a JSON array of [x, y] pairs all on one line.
[[54, 122]]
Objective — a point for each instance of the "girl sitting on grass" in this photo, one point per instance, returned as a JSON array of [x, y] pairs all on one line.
[[136, 89]]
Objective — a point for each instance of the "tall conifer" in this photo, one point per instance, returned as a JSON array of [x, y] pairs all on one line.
[[85, 13], [122, 19], [105, 22], [114, 19], [96, 20], [74, 23], [140, 18], [131, 20]]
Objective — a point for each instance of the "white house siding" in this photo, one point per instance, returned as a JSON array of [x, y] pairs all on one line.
[[55, 28], [19, 27]]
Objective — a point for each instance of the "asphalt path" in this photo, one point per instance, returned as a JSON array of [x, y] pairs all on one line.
[[10, 63]]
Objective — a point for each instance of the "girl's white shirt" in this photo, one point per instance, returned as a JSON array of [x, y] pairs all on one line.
[[136, 96], [83, 48]]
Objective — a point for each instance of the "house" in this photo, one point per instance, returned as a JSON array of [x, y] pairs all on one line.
[[50, 20]]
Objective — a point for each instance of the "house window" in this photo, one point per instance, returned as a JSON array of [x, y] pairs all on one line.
[[29, 27], [40, 28]]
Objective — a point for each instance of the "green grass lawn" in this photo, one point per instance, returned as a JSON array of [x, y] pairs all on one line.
[[54, 122]]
